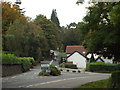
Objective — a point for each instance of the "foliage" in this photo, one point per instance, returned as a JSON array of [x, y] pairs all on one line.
[[114, 81], [26, 39], [10, 59], [44, 73], [101, 24], [68, 65], [10, 13], [54, 18], [102, 67], [25, 63], [50, 30], [54, 71]]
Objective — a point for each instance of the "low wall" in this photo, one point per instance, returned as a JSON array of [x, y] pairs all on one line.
[[8, 70]]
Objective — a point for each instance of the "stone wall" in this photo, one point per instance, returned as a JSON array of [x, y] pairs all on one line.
[[8, 70]]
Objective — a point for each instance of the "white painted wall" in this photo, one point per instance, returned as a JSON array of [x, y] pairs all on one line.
[[106, 60], [77, 59], [95, 55]]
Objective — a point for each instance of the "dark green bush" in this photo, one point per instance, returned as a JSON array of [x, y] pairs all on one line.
[[44, 73], [26, 64], [54, 71], [10, 59], [114, 81], [101, 67], [69, 65]]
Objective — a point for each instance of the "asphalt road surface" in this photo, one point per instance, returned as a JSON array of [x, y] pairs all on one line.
[[31, 79]]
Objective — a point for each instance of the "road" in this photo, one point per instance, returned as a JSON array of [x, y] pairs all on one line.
[[31, 79]]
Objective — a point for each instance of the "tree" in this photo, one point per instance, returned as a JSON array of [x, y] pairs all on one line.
[[26, 39], [54, 18], [50, 30], [10, 13], [103, 30]]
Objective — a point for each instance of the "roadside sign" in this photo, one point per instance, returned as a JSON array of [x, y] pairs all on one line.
[[44, 66], [48, 70]]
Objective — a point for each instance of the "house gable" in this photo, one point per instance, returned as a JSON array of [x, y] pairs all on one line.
[[77, 58], [99, 59], [78, 53]]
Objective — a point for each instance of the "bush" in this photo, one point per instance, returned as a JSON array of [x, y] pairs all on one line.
[[44, 73], [26, 64], [10, 59], [54, 71], [114, 81], [101, 67], [31, 59], [69, 65]]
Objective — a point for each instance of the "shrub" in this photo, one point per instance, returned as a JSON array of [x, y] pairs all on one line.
[[10, 59], [44, 73], [114, 81], [54, 71], [32, 61], [70, 65], [26, 64], [101, 67]]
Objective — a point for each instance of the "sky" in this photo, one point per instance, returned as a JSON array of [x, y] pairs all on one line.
[[67, 10]]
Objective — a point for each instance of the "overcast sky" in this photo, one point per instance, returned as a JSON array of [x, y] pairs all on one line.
[[67, 10]]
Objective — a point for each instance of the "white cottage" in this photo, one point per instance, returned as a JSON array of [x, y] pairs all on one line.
[[100, 58], [76, 54], [78, 59]]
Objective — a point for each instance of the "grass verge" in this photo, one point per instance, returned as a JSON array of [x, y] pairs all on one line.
[[95, 84]]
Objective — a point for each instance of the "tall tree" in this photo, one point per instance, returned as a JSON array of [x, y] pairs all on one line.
[[51, 31], [10, 13], [26, 39], [54, 18], [103, 29]]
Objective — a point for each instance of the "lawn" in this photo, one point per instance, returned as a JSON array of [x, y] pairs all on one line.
[[95, 84]]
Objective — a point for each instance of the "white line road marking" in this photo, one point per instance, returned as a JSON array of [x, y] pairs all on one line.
[[13, 77], [55, 81]]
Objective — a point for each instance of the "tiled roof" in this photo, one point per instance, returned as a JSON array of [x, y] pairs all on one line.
[[71, 49]]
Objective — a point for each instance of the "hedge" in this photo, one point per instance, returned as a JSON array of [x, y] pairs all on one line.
[[102, 67], [26, 62], [10, 59], [114, 81], [68, 65]]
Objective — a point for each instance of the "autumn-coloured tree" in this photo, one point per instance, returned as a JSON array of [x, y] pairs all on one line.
[[10, 12]]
